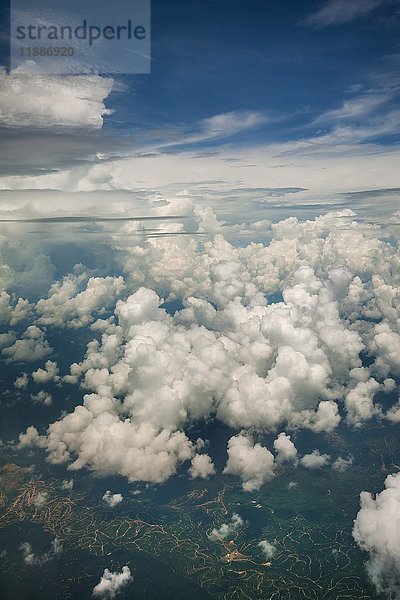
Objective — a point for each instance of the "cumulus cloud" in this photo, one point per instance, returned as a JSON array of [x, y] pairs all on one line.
[[112, 582], [49, 373], [359, 402], [342, 464], [67, 306], [30, 348], [315, 460], [42, 101], [40, 499], [13, 311], [42, 398], [226, 353], [376, 530], [112, 499], [201, 466], [227, 529], [67, 484], [254, 464], [267, 548], [30, 558], [21, 383], [286, 450]]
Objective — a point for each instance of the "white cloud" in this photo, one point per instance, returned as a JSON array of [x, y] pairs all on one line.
[[342, 464], [21, 382], [376, 530], [49, 373], [46, 102], [342, 11], [227, 353], [111, 583], [201, 466], [42, 397], [67, 306], [227, 529], [315, 460], [285, 448], [40, 499], [268, 549], [254, 464], [112, 499], [359, 402], [30, 348], [67, 484], [30, 558]]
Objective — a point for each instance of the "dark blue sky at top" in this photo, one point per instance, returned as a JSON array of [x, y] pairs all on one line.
[[211, 57], [215, 56]]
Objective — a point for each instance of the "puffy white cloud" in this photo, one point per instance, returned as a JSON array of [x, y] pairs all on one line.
[[21, 382], [42, 397], [201, 466], [13, 312], [286, 450], [112, 499], [112, 582], [49, 373], [7, 339], [377, 531], [42, 101], [227, 529], [31, 347], [227, 353], [67, 306], [109, 446], [359, 402], [267, 548], [315, 460], [40, 499], [342, 464], [67, 484], [254, 464]]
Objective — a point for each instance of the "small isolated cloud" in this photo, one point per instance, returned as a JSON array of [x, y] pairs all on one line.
[[42, 398], [67, 484], [254, 464], [335, 12], [49, 373], [227, 529], [112, 499], [376, 530], [315, 460], [40, 499], [202, 467], [30, 558], [267, 548], [21, 383], [111, 583], [342, 464], [286, 450], [230, 123]]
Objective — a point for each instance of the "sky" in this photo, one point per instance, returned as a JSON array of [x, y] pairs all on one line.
[[224, 231], [242, 97]]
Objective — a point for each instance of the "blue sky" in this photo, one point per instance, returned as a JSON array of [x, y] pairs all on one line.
[[243, 98], [213, 57]]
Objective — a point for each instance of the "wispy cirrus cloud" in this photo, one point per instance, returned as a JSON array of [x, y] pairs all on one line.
[[335, 12]]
